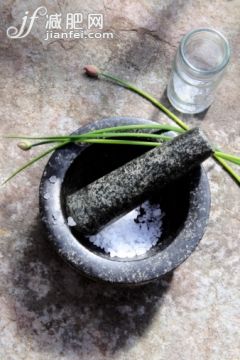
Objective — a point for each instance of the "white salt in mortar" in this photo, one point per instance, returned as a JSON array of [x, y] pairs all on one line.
[[133, 234]]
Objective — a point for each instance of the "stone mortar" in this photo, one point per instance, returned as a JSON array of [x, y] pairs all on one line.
[[186, 204]]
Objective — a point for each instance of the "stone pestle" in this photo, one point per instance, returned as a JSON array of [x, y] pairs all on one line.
[[126, 187]]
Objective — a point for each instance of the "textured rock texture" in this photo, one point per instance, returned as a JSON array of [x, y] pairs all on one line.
[[48, 311]]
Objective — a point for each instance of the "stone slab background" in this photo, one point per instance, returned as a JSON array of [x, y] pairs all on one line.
[[46, 310]]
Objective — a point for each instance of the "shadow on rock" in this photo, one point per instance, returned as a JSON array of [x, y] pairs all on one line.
[[61, 311], [188, 118]]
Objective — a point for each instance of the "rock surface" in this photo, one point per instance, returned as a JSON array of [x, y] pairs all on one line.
[[48, 311]]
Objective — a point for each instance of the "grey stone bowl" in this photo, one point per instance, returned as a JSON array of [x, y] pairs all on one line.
[[186, 204]]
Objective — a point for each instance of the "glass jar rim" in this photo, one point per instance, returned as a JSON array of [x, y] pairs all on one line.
[[214, 69]]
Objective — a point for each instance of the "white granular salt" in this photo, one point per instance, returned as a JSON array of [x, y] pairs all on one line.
[[133, 234], [70, 221], [52, 179]]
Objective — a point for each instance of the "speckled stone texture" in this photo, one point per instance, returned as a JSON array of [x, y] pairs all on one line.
[[123, 189], [47, 310]]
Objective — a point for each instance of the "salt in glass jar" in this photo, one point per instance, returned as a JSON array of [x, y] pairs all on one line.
[[198, 68]]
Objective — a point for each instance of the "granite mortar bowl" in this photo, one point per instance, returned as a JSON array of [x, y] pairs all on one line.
[[185, 203]]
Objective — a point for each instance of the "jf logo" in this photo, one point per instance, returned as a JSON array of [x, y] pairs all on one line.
[[73, 21], [14, 33]]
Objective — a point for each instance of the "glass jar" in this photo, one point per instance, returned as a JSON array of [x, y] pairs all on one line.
[[198, 67]]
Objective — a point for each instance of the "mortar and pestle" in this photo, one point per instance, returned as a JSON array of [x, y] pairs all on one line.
[[96, 184]]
